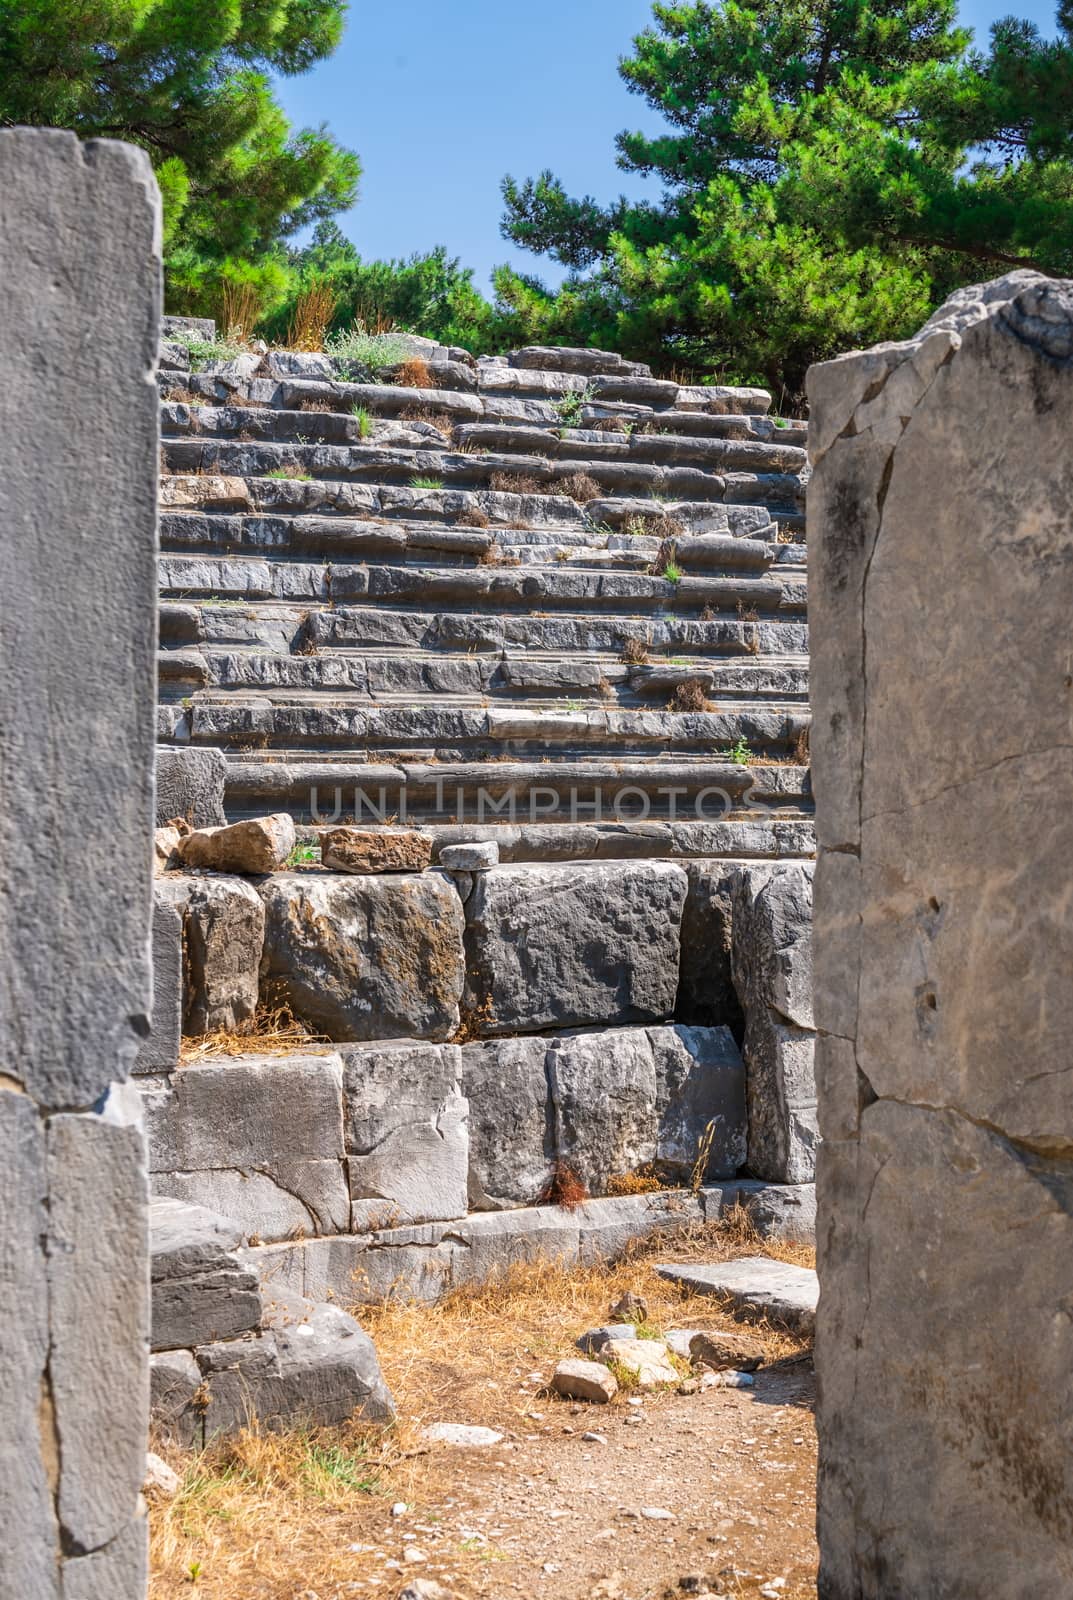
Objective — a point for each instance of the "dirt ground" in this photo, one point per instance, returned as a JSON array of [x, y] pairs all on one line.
[[547, 1512]]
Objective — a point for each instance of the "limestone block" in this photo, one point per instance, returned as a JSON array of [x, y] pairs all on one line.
[[700, 1079], [28, 1531], [201, 1289], [190, 784], [772, 967], [259, 1139], [98, 1313], [407, 1132], [160, 1051], [944, 948], [120, 1571], [79, 251], [511, 1136], [366, 850], [584, 1380], [568, 946], [224, 930], [603, 1092], [258, 844], [367, 958], [174, 1386], [607, 1228]]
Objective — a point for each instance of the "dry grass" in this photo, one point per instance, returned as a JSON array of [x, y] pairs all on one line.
[[802, 750], [564, 1188], [271, 1031], [440, 420], [634, 652], [747, 613], [414, 374], [240, 307], [579, 486], [311, 318], [690, 696], [654, 525], [473, 518], [307, 1513], [516, 483]]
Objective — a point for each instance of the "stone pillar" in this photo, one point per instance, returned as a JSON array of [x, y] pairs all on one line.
[[79, 312], [940, 530]]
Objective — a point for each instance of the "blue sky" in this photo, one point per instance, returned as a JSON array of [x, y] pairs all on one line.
[[441, 97]]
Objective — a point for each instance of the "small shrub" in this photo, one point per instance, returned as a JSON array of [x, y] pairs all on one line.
[[311, 318], [569, 406], [632, 1183], [579, 486], [492, 557], [781, 422], [202, 351], [426, 483], [747, 613], [739, 753], [414, 374], [690, 696], [361, 353], [240, 306], [634, 651]]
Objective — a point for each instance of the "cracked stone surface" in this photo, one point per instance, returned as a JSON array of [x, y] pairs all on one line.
[[941, 550]]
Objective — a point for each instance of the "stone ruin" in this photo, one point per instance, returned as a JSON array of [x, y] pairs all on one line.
[[511, 983], [486, 702]]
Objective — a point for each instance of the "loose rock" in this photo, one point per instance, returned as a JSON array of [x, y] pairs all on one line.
[[594, 1341], [647, 1359], [160, 1479], [629, 1307], [584, 1380], [258, 845], [460, 1434], [469, 857], [363, 850]]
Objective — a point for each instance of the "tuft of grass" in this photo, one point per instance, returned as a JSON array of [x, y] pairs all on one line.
[[474, 517], [440, 420], [203, 351], [364, 420], [303, 855], [516, 483], [240, 308], [802, 748], [330, 1468], [672, 572], [311, 318], [579, 486], [426, 483], [286, 472]]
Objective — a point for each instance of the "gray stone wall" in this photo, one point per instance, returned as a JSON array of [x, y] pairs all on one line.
[[79, 264], [941, 577]]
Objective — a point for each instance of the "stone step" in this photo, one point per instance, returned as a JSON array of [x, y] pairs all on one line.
[[325, 788], [527, 587], [522, 675], [576, 478], [301, 722], [305, 629], [656, 448], [240, 532], [761, 837]]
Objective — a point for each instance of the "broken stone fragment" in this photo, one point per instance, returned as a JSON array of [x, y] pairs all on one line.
[[629, 1307], [258, 845], [595, 1339], [160, 1479], [584, 1380], [460, 1434], [646, 1359], [166, 843], [718, 1350], [469, 857], [375, 850]]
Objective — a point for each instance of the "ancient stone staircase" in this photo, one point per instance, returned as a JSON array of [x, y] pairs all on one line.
[[526, 597], [551, 610]]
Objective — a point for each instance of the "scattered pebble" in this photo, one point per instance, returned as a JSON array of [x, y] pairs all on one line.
[[656, 1514]]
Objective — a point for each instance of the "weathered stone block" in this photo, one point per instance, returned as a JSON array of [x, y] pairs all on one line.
[[190, 784], [603, 1090], [174, 1386], [568, 946], [511, 1134], [223, 932], [257, 1138], [407, 1133], [367, 958], [944, 948], [201, 1289], [772, 965], [369, 850], [700, 1080], [160, 1051], [255, 845]]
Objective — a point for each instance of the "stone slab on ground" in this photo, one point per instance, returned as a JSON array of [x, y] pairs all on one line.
[[754, 1284]]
